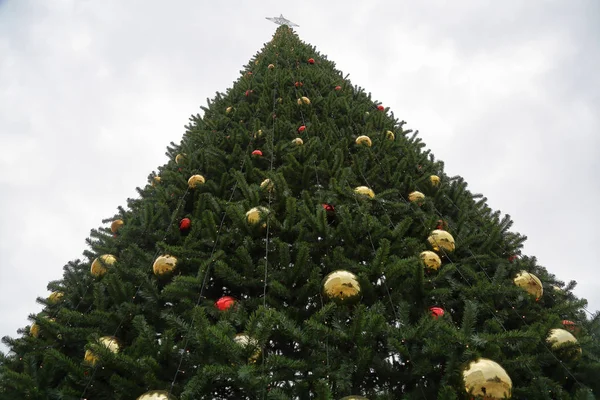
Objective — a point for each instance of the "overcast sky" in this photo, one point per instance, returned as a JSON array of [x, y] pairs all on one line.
[[91, 93]]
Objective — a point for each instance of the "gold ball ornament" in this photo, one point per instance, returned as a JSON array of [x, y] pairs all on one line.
[[441, 240], [558, 338], [530, 283], [179, 158], [34, 330], [155, 180], [99, 264], [431, 260], [354, 397], [156, 395], [303, 100], [110, 342], [365, 191], [164, 264], [267, 184], [55, 297], [298, 141], [280, 100], [254, 215], [245, 341], [487, 379], [228, 110], [116, 225], [258, 134], [364, 140], [195, 181], [434, 180], [416, 197], [271, 66], [342, 287], [389, 135]]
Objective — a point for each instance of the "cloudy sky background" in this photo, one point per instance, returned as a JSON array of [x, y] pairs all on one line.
[[505, 93]]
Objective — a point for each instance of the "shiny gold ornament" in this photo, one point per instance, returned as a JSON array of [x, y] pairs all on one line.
[[110, 342], [155, 180], [431, 260], [116, 225], [254, 215], [55, 297], [354, 397], [416, 197], [439, 239], [228, 110], [280, 100], [195, 181], [179, 158], [303, 100], [298, 141], [557, 289], [530, 283], [342, 287], [364, 140], [267, 184], [258, 134], [34, 330], [244, 340], [487, 379], [271, 66], [157, 394], [164, 264], [559, 338], [434, 180], [99, 264], [389, 135], [365, 191]]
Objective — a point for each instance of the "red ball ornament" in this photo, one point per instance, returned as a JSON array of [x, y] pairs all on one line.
[[436, 312], [380, 108], [257, 153], [249, 72], [441, 225], [328, 207], [185, 224], [513, 258], [570, 326], [338, 87], [249, 92], [302, 128], [225, 303], [298, 84], [311, 60]]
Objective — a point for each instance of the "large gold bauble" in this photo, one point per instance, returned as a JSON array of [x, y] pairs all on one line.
[[364, 140], [298, 141], [254, 215], [365, 191], [110, 342], [267, 184], [179, 158], [164, 264], [431, 260], [195, 181], [342, 287], [34, 330], [155, 180], [244, 340], [434, 180], [487, 379], [416, 197], [354, 397], [99, 264], [303, 100], [228, 109], [389, 135], [156, 395], [530, 283], [439, 239], [271, 66], [116, 225], [558, 338], [55, 297]]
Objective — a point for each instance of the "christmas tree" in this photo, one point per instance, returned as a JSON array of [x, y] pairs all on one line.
[[301, 244]]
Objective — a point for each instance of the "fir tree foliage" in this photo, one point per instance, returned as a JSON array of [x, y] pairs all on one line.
[[301, 346]]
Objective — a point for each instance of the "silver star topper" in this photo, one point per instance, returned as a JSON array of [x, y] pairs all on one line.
[[281, 21]]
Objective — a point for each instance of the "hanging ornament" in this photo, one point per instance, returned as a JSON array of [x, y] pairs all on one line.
[[279, 100], [436, 312], [229, 109], [225, 303], [330, 212], [164, 264], [116, 225], [365, 191], [342, 287], [570, 326], [364, 140], [487, 379], [338, 88], [267, 184], [563, 343], [298, 141], [185, 225], [249, 92], [246, 341], [34, 330], [258, 134], [431, 260], [513, 258], [354, 397], [416, 197], [155, 180], [195, 181], [530, 283], [110, 342], [271, 66], [298, 84], [257, 153], [434, 180], [55, 297], [179, 158], [303, 100], [99, 264], [381, 108], [249, 73], [156, 395], [302, 128], [441, 225], [254, 215], [389, 135], [311, 60], [557, 289], [439, 239]]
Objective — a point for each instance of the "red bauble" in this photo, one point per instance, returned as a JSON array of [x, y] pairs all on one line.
[[570, 326], [298, 84], [441, 225], [225, 303], [513, 258], [249, 72], [380, 108], [436, 312], [302, 128], [249, 92], [338, 88], [257, 153], [185, 224], [311, 60], [328, 207]]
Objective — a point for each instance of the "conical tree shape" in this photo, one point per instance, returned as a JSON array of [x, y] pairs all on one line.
[[385, 326]]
